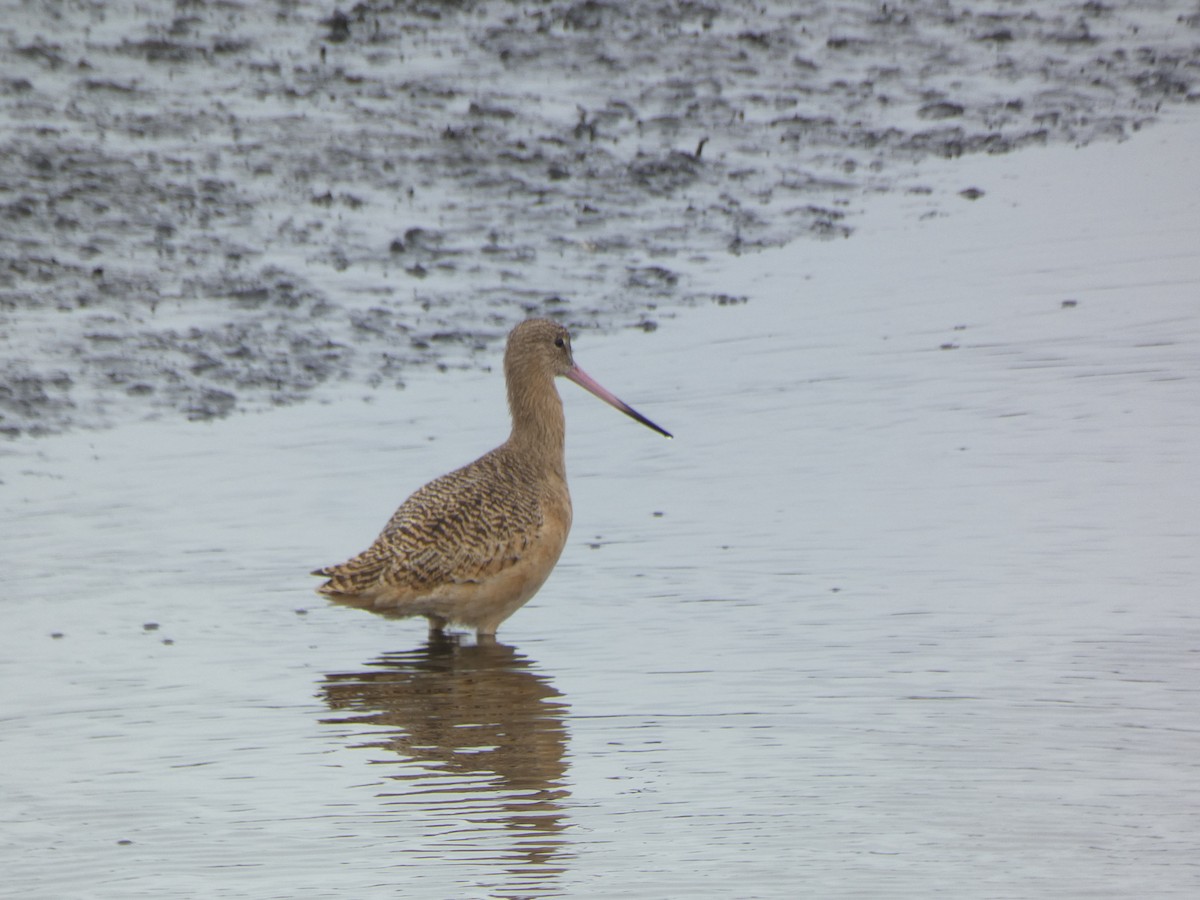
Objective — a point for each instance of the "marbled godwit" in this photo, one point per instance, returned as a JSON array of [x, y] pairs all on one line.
[[473, 546]]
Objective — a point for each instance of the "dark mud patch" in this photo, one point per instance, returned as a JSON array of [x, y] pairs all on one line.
[[218, 206]]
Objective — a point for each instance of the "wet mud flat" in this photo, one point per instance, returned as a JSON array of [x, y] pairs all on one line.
[[216, 206]]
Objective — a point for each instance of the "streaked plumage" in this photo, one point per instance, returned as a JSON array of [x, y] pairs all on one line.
[[474, 545]]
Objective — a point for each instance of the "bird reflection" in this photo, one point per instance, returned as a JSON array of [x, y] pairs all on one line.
[[488, 734]]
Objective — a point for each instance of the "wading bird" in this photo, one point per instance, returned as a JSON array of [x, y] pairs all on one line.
[[472, 546]]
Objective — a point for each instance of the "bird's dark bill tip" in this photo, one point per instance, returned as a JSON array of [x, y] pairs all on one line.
[[634, 414], [588, 383]]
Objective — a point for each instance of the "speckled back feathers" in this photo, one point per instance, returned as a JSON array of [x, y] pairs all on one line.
[[460, 528]]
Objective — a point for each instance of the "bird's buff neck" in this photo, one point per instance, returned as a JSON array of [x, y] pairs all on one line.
[[539, 427]]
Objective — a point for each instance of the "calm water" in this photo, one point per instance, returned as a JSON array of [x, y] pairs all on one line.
[[908, 609]]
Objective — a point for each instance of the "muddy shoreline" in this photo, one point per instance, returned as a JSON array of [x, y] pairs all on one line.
[[216, 207]]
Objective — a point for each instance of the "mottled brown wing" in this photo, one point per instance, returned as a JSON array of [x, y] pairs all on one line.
[[460, 528]]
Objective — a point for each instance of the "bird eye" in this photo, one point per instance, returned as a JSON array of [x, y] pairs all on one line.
[[559, 342]]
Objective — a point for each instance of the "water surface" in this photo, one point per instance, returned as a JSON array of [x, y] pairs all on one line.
[[907, 609]]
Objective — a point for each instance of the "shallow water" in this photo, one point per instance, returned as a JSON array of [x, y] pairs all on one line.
[[907, 609]]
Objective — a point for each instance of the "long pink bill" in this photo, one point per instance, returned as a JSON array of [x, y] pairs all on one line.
[[588, 383]]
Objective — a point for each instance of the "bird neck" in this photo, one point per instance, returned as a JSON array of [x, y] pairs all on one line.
[[539, 428]]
